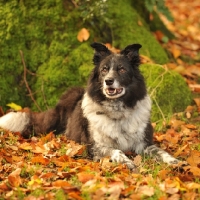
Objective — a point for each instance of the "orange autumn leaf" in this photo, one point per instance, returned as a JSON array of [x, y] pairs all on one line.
[[175, 51], [48, 137], [40, 159], [74, 149], [75, 195], [146, 190], [61, 183], [194, 158], [190, 126], [25, 146], [83, 35], [1, 111], [139, 23], [195, 171], [14, 178], [84, 177], [197, 101]]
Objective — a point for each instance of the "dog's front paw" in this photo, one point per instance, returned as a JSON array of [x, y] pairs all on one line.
[[120, 157]]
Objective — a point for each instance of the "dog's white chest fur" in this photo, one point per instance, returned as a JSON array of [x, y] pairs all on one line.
[[112, 124]]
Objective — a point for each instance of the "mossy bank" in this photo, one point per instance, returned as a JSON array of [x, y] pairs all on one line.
[[167, 89], [46, 33]]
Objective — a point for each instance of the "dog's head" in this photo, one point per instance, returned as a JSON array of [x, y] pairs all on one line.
[[116, 75]]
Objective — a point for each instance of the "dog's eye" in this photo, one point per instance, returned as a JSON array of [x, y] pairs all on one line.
[[122, 70], [104, 69]]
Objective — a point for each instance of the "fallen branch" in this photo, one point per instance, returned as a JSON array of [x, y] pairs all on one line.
[[26, 82]]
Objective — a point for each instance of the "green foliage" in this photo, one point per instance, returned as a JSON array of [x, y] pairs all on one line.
[[125, 30], [46, 33], [60, 195], [58, 74], [167, 89]]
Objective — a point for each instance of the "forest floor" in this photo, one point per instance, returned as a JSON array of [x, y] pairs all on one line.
[[52, 167]]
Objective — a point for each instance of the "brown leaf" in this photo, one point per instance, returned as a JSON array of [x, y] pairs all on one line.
[[61, 183], [195, 87], [194, 158], [180, 150], [25, 146], [176, 52], [190, 126], [193, 186], [47, 175], [14, 178], [40, 159], [146, 190], [140, 23], [1, 111], [84, 177], [48, 137], [83, 35], [197, 101], [137, 160], [74, 149], [195, 171]]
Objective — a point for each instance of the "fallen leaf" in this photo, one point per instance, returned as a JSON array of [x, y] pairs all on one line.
[[193, 186], [14, 106], [194, 158], [176, 52], [14, 178], [83, 35], [195, 87], [140, 23], [146, 190], [137, 160], [40, 159], [84, 177], [25, 146], [61, 183], [1, 111], [197, 101], [74, 149]]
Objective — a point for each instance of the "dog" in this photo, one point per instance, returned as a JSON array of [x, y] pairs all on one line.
[[111, 116]]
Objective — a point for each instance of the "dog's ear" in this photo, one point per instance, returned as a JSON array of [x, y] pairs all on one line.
[[132, 53], [101, 51]]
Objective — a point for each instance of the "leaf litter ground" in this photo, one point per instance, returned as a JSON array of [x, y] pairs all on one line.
[[52, 167]]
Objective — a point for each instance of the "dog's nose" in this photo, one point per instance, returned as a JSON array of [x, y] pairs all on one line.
[[109, 81]]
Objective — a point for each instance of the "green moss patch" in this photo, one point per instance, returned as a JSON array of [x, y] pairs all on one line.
[[128, 27], [167, 89]]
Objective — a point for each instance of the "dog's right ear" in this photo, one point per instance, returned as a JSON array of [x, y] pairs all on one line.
[[101, 51]]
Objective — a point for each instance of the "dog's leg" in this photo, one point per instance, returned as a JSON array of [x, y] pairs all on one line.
[[155, 152], [115, 155]]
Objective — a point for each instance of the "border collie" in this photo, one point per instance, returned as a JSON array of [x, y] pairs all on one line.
[[111, 116]]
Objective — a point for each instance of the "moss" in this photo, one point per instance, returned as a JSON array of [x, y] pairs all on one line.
[[168, 91], [128, 27], [46, 33], [60, 73]]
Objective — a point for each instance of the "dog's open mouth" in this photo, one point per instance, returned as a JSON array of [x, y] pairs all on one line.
[[113, 91]]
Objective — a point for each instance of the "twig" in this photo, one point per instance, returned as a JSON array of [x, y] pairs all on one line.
[[74, 3], [42, 88], [26, 83]]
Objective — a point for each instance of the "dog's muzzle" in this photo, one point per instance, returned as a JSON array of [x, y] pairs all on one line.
[[112, 88]]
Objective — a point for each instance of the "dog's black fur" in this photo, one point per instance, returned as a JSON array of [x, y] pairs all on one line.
[[111, 116]]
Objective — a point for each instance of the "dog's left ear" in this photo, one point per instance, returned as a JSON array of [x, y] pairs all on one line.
[[101, 51], [132, 53]]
